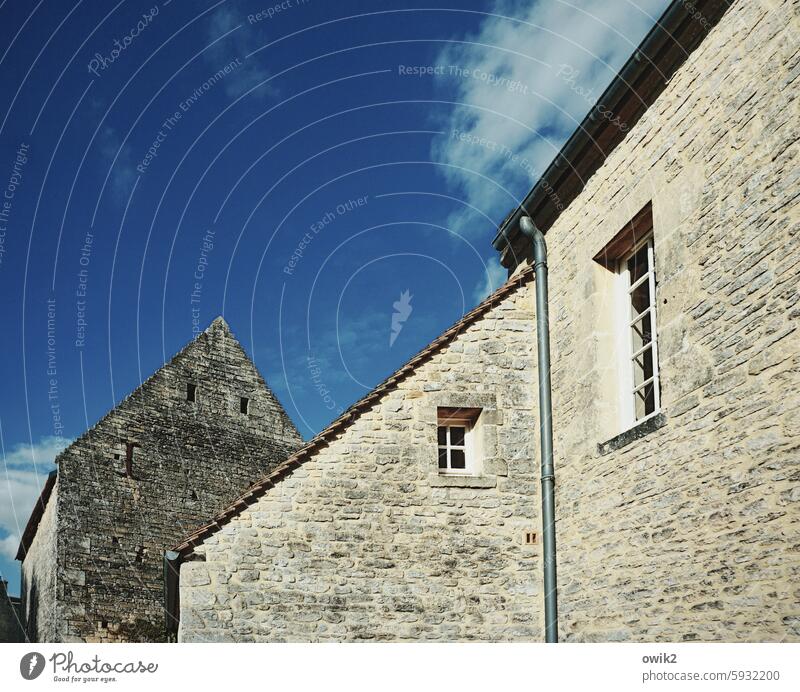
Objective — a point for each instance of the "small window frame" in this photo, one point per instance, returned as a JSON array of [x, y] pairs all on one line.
[[244, 405], [448, 422], [628, 389], [191, 392]]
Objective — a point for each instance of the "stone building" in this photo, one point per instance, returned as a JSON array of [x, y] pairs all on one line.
[[183, 445], [674, 254], [11, 629]]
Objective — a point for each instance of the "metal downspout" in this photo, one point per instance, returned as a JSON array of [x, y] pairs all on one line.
[[172, 566], [528, 228]]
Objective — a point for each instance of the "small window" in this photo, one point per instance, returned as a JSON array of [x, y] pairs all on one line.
[[637, 333], [124, 460], [191, 392], [456, 447], [244, 405]]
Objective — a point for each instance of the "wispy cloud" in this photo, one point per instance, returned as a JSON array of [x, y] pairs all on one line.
[[493, 277], [241, 41], [9, 546], [25, 468], [517, 104], [123, 174]]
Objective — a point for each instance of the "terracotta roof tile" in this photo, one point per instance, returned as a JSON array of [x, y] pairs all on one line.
[[341, 423]]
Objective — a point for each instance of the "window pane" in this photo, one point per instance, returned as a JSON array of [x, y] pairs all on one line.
[[442, 458], [640, 299], [643, 367], [457, 459], [457, 435], [637, 264], [638, 402], [645, 401], [442, 434], [641, 333]]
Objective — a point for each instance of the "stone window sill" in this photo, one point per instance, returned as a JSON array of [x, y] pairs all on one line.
[[442, 481], [637, 432]]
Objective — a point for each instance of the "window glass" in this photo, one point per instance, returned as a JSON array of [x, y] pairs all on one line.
[[457, 435], [458, 459], [640, 299], [455, 451], [641, 378], [637, 264]]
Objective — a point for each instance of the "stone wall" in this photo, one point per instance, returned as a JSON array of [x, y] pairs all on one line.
[[192, 458], [38, 577], [691, 532], [365, 541], [11, 629]]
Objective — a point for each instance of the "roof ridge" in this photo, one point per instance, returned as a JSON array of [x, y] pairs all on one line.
[[220, 323], [323, 437]]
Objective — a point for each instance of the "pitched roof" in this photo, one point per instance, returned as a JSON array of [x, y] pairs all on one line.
[[350, 415], [677, 33], [36, 516], [218, 324]]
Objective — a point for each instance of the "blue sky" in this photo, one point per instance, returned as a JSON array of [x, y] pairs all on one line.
[[328, 176]]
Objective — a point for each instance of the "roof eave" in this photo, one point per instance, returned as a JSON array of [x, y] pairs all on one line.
[[255, 491], [36, 516], [637, 85]]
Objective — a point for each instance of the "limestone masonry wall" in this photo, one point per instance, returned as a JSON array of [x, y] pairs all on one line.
[[192, 459], [693, 531], [38, 587], [365, 541]]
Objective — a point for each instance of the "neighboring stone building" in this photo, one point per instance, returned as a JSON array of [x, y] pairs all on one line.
[[674, 239], [11, 629], [183, 445]]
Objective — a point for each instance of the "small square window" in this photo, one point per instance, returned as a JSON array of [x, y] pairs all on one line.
[[191, 392], [455, 439], [244, 405]]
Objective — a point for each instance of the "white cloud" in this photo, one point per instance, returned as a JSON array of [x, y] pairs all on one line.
[[494, 276], [242, 40], [43, 453], [532, 112], [22, 478], [9, 546]]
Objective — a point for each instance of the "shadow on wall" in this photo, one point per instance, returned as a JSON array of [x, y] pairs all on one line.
[[30, 609], [11, 617]]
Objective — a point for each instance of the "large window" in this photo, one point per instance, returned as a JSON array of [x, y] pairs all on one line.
[[637, 331]]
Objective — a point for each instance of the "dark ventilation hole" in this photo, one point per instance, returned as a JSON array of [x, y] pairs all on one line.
[[140, 553], [104, 624], [114, 540], [193, 495], [530, 538], [129, 447], [191, 392], [244, 405]]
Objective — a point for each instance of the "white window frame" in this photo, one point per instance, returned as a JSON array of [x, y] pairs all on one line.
[[627, 391], [468, 446]]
